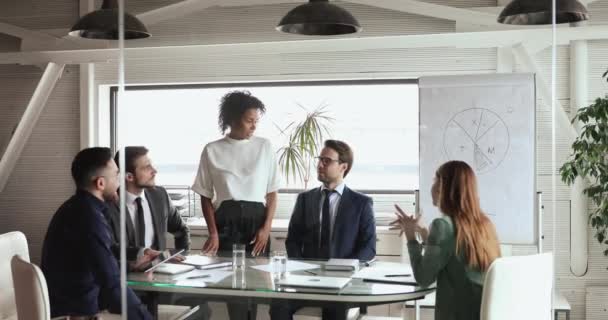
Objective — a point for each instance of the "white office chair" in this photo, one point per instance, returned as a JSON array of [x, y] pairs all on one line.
[[32, 296], [518, 287], [429, 300], [11, 243]]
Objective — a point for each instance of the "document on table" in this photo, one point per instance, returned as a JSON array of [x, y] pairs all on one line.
[[198, 278], [401, 275], [292, 265]]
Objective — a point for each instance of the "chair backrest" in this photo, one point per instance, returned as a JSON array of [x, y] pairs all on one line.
[[518, 287], [31, 292], [11, 243]]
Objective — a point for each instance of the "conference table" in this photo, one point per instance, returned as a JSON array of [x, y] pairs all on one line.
[[257, 286]]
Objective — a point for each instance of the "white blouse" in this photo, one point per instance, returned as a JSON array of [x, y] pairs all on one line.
[[232, 169]]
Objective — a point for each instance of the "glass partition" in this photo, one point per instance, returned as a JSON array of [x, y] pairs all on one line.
[[234, 45]]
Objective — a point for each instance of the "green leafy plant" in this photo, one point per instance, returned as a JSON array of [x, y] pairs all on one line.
[[589, 160], [296, 158]]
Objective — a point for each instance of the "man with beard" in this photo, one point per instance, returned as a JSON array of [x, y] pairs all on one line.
[[331, 221], [149, 216], [150, 213], [77, 261]]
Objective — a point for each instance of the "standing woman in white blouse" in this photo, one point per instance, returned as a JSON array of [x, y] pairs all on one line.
[[238, 180], [239, 172]]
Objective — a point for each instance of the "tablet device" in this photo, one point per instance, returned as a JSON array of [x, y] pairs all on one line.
[[152, 268], [314, 282]]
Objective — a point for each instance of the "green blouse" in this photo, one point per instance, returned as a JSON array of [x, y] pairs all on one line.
[[459, 288]]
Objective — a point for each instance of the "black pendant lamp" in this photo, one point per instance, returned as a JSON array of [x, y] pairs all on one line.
[[532, 12], [103, 24], [319, 17]]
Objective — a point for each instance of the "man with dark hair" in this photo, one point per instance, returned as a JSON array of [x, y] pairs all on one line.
[[77, 261], [150, 213], [332, 221]]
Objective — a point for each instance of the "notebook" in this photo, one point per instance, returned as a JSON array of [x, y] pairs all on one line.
[[314, 282], [342, 265]]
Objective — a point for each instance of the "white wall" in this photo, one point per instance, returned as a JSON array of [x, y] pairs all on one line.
[[41, 180]]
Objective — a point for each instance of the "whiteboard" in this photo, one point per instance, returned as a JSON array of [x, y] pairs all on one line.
[[487, 121]]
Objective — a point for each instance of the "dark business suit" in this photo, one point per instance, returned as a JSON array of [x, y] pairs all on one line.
[[81, 271], [354, 233], [165, 218], [353, 237]]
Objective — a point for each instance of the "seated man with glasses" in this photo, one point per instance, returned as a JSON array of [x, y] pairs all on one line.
[[331, 221]]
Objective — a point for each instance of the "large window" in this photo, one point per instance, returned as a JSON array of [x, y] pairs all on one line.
[[379, 119]]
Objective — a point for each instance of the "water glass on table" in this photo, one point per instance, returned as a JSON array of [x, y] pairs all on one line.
[[238, 256], [278, 260]]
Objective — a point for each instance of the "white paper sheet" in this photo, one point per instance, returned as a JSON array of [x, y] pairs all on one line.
[[211, 276], [375, 271], [198, 260], [380, 274], [291, 266]]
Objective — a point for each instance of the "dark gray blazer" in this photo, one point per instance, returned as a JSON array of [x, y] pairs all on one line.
[[354, 233], [165, 218]]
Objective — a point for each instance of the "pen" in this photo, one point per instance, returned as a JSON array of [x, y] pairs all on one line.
[[199, 277], [396, 275], [369, 263], [215, 266], [310, 272]]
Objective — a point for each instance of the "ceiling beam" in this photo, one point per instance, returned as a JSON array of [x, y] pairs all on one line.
[[190, 6], [26, 34], [36, 40], [28, 121], [410, 6], [174, 10], [459, 40], [432, 10]]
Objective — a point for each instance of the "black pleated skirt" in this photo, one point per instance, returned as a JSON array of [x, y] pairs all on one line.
[[237, 223]]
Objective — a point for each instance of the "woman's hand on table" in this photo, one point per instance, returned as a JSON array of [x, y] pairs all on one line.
[[260, 241], [211, 245]]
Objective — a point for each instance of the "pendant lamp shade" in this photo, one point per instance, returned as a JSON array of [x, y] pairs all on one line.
[[533, 12], [103, 24], [319, 17]]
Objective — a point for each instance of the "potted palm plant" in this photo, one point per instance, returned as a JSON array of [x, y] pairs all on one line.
[[304, 139]]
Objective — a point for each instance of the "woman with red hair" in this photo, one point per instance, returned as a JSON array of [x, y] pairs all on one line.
[[458, 248]]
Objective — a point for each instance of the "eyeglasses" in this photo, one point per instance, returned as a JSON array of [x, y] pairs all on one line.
[[326, 161]]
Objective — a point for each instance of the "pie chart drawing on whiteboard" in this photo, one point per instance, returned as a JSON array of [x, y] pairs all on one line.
[[477, 136]]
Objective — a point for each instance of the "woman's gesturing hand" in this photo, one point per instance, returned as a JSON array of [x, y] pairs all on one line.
[[408, 225]]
